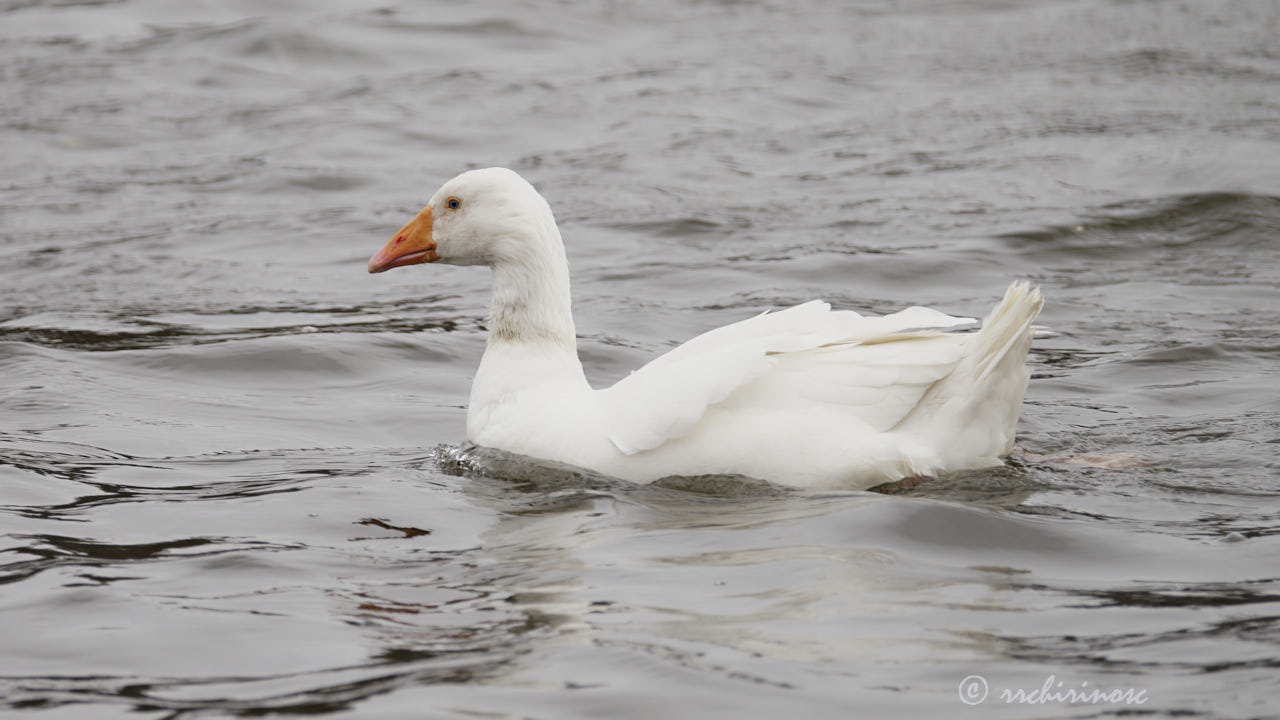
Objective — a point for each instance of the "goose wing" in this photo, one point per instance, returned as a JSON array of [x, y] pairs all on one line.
[[874, 369]]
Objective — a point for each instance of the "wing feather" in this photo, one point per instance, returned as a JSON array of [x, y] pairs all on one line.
[[873, 369]]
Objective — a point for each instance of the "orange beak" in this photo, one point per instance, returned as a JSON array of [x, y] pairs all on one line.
[[410, 246]]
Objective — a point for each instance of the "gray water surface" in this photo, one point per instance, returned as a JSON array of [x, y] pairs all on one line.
[[233, 480]]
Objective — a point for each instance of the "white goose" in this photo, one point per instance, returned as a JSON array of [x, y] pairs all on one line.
[[805, 396]]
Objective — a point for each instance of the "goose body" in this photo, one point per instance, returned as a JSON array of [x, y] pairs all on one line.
[[807, 396]]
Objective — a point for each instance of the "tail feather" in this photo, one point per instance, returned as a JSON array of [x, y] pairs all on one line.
[[1007, 326], [968, 418]]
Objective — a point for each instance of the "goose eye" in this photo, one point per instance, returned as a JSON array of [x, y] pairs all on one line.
[[453, 203]]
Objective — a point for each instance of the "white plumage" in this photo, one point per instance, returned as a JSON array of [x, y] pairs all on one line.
[[805, 396]]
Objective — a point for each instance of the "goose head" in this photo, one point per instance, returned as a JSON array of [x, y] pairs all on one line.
[[488, 217]]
